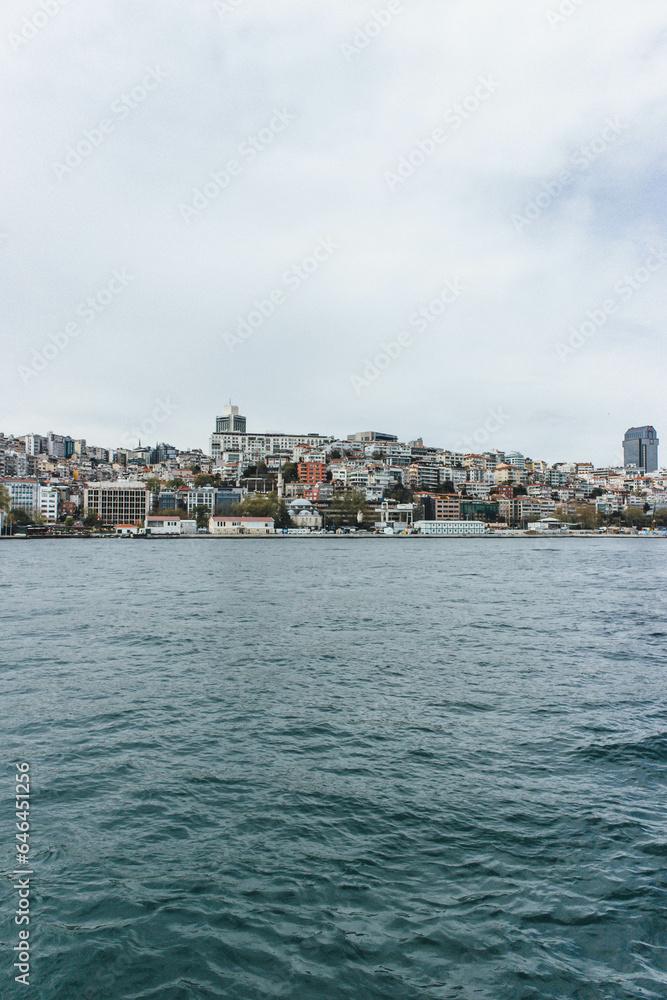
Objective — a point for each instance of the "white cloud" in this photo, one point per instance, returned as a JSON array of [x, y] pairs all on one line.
[[325, 175]]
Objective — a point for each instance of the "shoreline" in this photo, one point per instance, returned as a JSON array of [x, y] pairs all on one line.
[[328, 537]]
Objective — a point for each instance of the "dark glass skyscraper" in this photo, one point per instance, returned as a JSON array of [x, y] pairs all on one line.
[[640, 448], [230, 422]]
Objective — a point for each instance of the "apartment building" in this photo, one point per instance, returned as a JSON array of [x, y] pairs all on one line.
[[118, 503]]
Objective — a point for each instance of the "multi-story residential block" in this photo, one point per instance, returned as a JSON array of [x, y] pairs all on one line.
[[118, 503], [49, 500], [506, 472], [35, 444], [19, 465], [453, 474], [424, 475], [24, 494], [312, 472], [230, 435], [534, 507], [59, 445], [447, 507]]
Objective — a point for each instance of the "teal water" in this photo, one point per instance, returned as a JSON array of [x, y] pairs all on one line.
[[379, 769]]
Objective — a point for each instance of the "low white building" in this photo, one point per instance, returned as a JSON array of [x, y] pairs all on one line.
[[450, 527], [157, 525], [231, 525]]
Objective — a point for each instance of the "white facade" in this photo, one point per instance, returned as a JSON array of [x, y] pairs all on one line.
[[450, 527], [304, 515], [48, 502], [163, 525], [231, 525], [260, 445], [24, 494]]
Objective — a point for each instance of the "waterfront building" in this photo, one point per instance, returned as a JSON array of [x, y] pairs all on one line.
[[230, 525], [118, 503], [24, 494], [156, 525], [450, 527], [304, 515], [640, 448]]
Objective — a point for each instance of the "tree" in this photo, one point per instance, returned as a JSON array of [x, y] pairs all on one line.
[[20, 517], [69, 521], [334, 453], [153, 484], [447, 487], [290, 472], [635, 517], [520, 490], [350, 509], [269, 505], [91, 520], [176, 481], [401, 495], [5, 498], [585, 516], [202, 514], [205, 479]]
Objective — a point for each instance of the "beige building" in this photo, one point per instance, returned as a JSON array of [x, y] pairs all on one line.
[[506, 473], [117, 503], [230, 525]]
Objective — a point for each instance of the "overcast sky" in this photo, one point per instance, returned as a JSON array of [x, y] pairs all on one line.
[[498, 165]]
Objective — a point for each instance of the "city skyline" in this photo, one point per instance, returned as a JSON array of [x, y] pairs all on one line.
[[231, 422]]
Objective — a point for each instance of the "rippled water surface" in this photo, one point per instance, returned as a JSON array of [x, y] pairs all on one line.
[[339, 768]]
